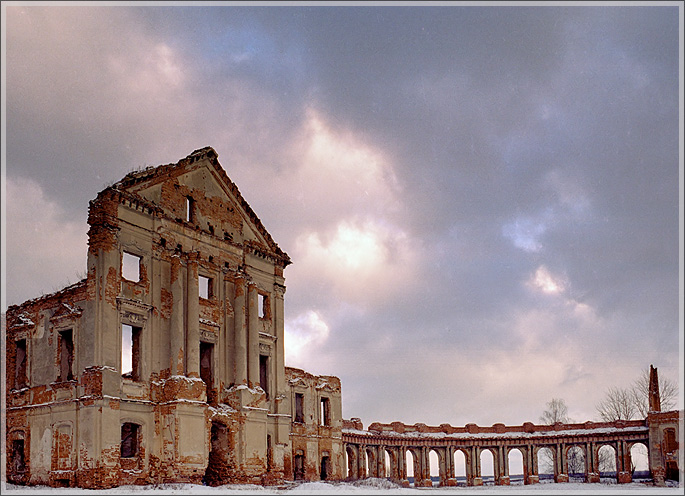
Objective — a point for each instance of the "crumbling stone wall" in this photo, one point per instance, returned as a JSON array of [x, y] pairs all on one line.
[[178, 260], [317, 449]]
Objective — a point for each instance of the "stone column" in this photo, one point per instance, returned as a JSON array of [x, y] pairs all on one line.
[[177, 320], [623, 474], [229, 329], [477, 479], [193, 319], [278, 316], [240, 331], [252, 335]]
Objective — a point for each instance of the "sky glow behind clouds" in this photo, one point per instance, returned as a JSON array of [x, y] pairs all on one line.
[[481, 203]]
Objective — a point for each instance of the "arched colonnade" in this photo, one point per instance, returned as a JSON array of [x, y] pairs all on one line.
[[366, 451]]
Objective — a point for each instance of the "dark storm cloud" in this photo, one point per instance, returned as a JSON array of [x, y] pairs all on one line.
[[476, 198]]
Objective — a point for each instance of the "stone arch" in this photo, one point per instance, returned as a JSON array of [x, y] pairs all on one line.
[[218, 467], [606, 460], [352, 463], [639, 458], [516, 465], [488, 471], [460, 461], [371, 461], [575, 463], [391, 466], [547, 462], [412, 463]]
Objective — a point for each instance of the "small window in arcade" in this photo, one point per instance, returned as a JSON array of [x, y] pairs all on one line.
[[263, 306], [264, 374], [206, 287], [129, 440], [130, 267]]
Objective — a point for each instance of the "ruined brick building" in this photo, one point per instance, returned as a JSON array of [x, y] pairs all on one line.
[[166, 363]]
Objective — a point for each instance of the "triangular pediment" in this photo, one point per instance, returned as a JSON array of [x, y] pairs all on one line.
[[197, 192]]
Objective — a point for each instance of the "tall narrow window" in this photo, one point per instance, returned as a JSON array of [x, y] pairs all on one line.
[[299, 407], [20, 364], [130, 352], [264, 373], [66, 355], [18, 457], [130, 267], [325, 412], [324, 467], [263, 306], [299, 465], [190, 209], [206, 368], [129, 440], [206, 287]]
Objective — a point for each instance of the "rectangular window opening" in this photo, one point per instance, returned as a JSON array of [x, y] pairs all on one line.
[[66, 355], [190, 209], [264, 373], [299, 407], [130, 352], [206, 287], [263, 304], [129, 440], [18, 457], [130, 267], [207, 368], [20, 364], [325, 412]]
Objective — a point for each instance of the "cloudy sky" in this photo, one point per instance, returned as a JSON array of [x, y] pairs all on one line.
[[481, 203]]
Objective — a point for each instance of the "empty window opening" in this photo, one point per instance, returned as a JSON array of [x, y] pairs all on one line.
[[130, 267], [206, 287], [324, 467], [66, 355], [325, 412], [263, 306], [18, 458], [299, 407], [206, 368], [20, 364], [190, 209], [299, 465], [130, 352], [264, 373], [129, 440], [670, 443]]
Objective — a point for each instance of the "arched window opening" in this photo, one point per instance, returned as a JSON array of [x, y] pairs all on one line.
[[639, 461], [434, 466], [388, 466], [545, 464], [487, 467], [606, 459], [576, 464], [460, 467], [409, 463], [515, 459]]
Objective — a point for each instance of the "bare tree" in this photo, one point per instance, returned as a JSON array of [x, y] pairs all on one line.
[[633, 402], [557, 411], [618, 404], [668, 393]]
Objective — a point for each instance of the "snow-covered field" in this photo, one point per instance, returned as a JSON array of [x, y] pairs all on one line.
[[368, 486]]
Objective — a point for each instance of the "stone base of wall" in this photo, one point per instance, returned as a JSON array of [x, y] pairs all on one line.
[[451, 482], [477, 481], [504, 481], [423, 483], [592, 477], [624, 478], [532, 479], [561, 478]]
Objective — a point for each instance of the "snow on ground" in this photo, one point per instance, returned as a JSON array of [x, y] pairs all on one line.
[[367, 486]]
